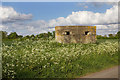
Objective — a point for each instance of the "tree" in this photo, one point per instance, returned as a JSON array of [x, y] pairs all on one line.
[[110, 35], [3, 34], [99, 37], [39, 36], [45, 35], [53, 34], [118, 34], [13, 35], [105, 37], [27, 37], [32, 36], [20, 36], [49, 34]]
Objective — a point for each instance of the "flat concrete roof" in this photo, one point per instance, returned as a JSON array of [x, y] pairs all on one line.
[[75, 26]]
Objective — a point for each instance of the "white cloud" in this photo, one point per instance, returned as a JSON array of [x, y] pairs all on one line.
[[84, 5], [8, 14], [101, 27], [107, 29], [88, 18], [102, 0], [101, 20], [3, 27], [27, 28], [110, 26]]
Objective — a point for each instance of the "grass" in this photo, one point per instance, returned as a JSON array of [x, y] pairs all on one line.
[[0, 71], [7, 42], [49, 59]]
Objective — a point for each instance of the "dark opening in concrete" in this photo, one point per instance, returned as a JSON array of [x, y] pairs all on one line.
[[67, 33], [86, 32]]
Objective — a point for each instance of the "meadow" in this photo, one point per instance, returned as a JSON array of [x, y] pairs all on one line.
[[49, 59]]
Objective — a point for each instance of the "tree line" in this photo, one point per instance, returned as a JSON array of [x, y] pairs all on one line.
[[110, 36], [14, 35]]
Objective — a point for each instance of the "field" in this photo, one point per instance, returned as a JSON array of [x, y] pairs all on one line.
[[49, 59]]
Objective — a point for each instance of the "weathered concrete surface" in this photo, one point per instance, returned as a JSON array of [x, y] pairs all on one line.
[[75, 34], [108, 73]]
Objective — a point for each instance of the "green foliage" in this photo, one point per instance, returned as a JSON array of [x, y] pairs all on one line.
[[49, 59], [3, 34], [110, 36], [53, 34], [102, 37], [32, 36], [48, 35], [12, 35], [20, 36], [118, 34]]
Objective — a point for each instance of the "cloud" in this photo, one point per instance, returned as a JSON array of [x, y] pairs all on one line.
[[82, 4], [8, 14], [3, 27], [102, 0], [88, 18], [98, 3], [106, 22], [27, 28], [107, 29]]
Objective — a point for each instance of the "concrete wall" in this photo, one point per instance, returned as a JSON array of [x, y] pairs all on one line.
[[75, 34]]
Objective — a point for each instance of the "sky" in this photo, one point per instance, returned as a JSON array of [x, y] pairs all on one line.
[[27, 18]]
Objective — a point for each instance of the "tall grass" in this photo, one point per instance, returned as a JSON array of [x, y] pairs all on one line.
[[49, 59]]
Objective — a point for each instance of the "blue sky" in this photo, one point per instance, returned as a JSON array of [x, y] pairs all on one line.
[[28, 18]]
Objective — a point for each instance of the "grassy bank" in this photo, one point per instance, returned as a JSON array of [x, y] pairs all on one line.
[[49, 59]]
